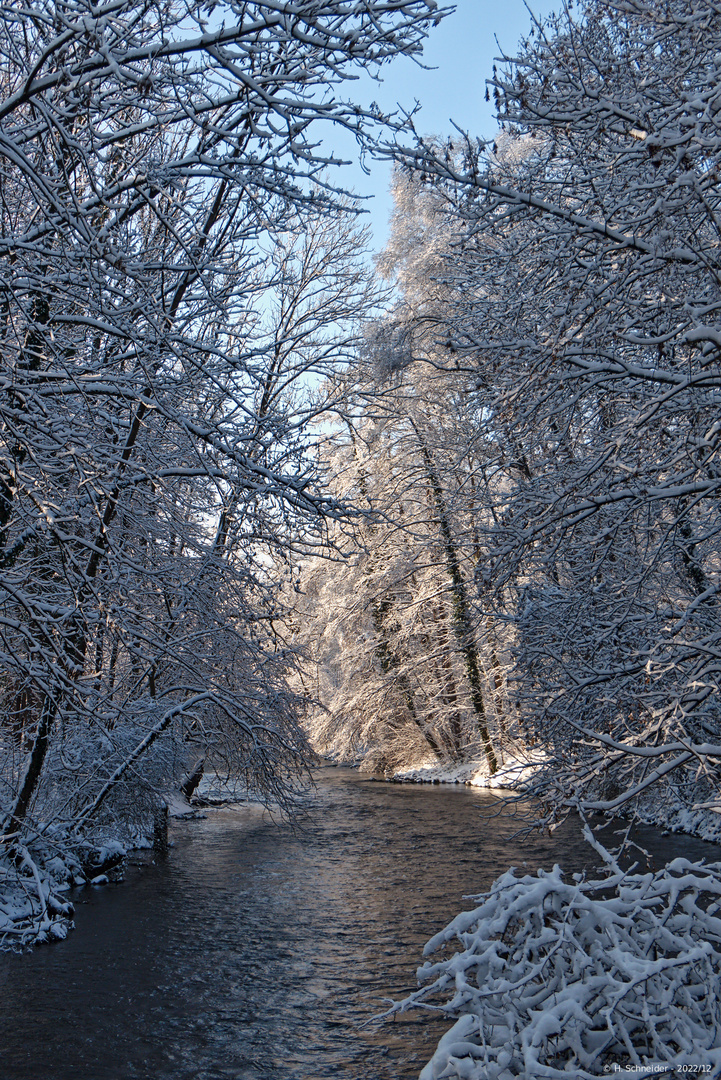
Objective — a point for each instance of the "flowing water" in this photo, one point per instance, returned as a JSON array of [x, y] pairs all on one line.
[[260, 952]]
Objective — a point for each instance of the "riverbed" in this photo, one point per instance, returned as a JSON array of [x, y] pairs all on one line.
[[261, 951]]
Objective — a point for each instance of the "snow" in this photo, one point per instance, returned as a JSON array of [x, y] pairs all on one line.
[[585, 977], [555, 978], [178, 806], [673, 815], [662, 809], [514, 774], [31, 909], [34, 876]]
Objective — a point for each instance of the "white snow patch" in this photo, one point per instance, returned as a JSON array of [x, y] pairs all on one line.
[[514, 773], [179, 807]]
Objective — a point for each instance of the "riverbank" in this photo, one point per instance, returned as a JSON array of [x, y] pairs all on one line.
[[35, 878], [665, 811], [513, 775]]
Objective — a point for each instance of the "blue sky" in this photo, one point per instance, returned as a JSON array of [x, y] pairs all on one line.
[[461, 51]]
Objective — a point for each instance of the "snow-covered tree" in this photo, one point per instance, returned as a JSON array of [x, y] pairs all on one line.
[[585, 270], [374, 620], [158, 318], [580, 287], [408, 666]]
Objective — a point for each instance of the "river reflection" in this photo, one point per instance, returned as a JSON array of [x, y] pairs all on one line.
[[258, 952]]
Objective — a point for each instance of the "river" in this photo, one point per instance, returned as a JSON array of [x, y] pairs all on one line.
[[259, 951]]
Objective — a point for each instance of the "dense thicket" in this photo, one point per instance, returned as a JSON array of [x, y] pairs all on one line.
[[547, 388], [174, 271], [582, 300]]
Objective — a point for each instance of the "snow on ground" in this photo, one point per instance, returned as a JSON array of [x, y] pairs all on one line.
[[514, 773], [179, 807], [34, 878], [674, 816], [664, 809], [217, 790]]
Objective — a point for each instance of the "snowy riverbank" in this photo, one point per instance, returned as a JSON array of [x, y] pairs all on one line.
[[514, 774], [601, 973], [35, 877], [662, 810]]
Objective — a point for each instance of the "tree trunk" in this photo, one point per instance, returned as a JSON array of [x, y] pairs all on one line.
[[461, 611], [33, 770]]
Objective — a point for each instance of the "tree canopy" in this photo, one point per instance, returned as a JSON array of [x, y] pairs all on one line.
[[176, 265]]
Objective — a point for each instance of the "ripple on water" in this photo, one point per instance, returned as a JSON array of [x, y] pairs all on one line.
[[259, 952]]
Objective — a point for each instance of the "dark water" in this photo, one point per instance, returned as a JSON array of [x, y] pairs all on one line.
[[256, 952]]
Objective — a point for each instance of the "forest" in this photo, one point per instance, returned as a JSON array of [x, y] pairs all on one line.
[[263, 501]]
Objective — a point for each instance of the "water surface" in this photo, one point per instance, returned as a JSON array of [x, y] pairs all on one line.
[[258, 952]]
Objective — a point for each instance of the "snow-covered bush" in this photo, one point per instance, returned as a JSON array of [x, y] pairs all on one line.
[[35, 876], [31, 907], [580, 978]]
